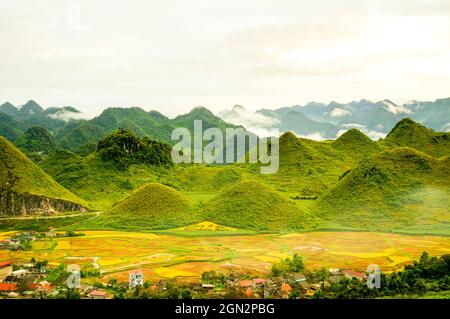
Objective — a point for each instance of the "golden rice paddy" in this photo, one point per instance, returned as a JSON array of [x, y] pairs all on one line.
[[166, 256]]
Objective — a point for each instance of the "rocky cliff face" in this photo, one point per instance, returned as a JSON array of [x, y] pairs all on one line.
[[13, 204]]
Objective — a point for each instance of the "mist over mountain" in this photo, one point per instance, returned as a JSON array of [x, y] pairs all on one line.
[[321, 121]]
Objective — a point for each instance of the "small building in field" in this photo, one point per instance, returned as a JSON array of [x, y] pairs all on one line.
[[97, 294]]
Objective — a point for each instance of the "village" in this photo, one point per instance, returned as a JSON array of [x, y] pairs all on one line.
[[36, 279]]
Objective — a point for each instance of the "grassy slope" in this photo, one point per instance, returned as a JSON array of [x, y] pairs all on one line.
[[411, 134], [251, 205], [396, 189], [153, 206], [20, 175]]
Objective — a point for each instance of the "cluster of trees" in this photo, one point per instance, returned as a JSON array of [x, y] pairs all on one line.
[[287, 266], [124, 148]]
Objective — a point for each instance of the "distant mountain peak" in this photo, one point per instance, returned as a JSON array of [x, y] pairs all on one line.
[[239, 107], [200, 111], [31, 107], [7, 105], [8, 109]]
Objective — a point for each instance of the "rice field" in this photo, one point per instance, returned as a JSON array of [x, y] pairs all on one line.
[[162, 256]]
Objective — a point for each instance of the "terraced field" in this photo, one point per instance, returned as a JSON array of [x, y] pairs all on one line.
[[166, 256]]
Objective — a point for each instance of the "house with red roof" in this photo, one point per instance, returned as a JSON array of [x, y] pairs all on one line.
[[285, 290], [98, 294], [259, 281], [8, 287], [354, 274], [245, 283]]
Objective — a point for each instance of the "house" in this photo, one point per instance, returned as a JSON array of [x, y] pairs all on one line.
[[298, 277], [136, 278], [44, 286], [249, 292], [353, 274], [97, 294], [5, 270], [285, 290], [86, 289], [7, 287], [278, 280], [19, 273], [259, 281], [334, 271], [9, 280], [245, 283]]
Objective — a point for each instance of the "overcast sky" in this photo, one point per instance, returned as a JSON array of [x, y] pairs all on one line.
[[174, 55]]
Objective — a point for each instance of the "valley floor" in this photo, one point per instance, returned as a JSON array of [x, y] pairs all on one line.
[[162, 256]]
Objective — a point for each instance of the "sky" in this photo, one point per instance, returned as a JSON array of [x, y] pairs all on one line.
[[174, 55]]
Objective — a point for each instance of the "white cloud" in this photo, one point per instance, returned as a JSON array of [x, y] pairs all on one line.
[[252, 121], [447, 127], [66, 115], [317, 136], [338, 112], [395, 109], [353, 125]]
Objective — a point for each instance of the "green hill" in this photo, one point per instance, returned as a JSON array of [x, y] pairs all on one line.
[[411, 134], [153, 206], [307, 167], [396, 189], [252, 205], [36, 139], [356, 142], [25, 188]]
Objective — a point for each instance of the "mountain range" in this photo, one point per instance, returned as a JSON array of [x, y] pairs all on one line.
[[119, 163], [321, 121]]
